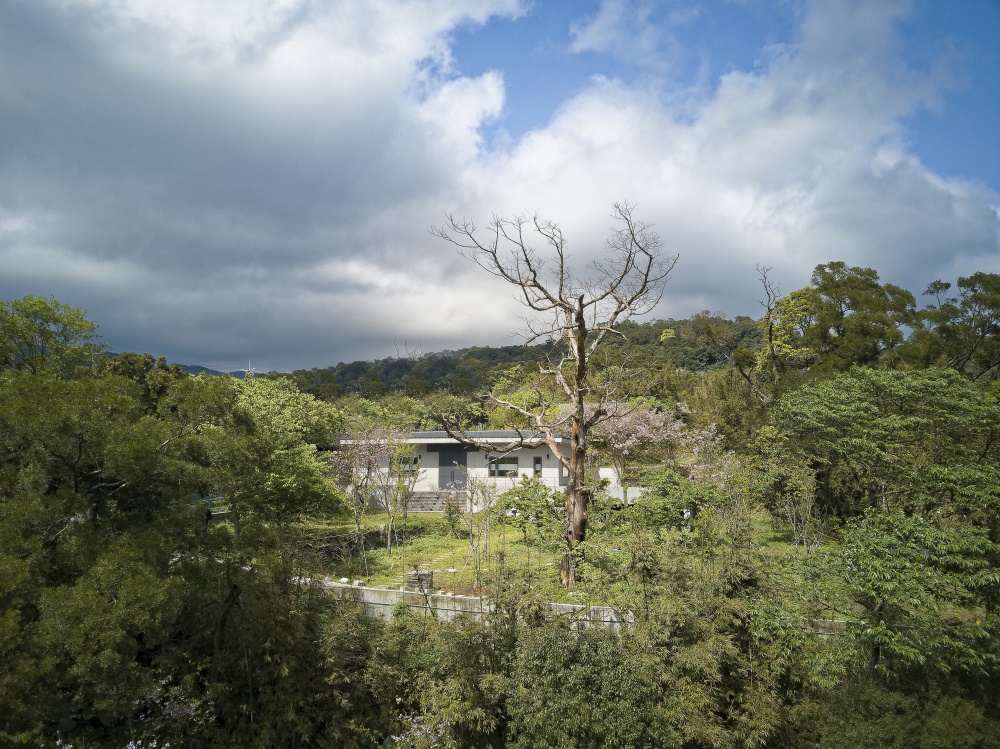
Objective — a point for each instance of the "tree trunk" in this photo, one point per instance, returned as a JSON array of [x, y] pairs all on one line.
[[577, 498], [220, 631], [577, 492], [566, 574]]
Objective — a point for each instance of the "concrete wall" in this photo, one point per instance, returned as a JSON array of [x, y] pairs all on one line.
[[478, 468], [380, 602], [433, 501]]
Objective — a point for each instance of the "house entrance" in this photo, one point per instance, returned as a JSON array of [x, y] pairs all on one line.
[[452, 468]]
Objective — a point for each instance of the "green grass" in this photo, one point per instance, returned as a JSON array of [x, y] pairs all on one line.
[[427, 543]]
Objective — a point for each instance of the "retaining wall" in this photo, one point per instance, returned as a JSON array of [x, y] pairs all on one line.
[[380, 602], [444, 607]]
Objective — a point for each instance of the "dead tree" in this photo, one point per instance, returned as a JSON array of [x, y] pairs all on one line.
[[576, 313]]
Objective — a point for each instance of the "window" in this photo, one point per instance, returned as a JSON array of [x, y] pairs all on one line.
[[503, 467], [409, 465], [538, 465]]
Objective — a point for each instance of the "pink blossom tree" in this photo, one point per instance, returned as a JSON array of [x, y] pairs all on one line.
[[633, 431]]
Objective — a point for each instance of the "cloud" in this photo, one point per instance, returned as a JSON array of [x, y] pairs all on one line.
[[798, 163], [176, 163], [636, 31], [226, 181]]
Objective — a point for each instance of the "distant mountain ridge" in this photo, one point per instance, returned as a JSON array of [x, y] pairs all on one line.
[[196, 369], [694, 344]]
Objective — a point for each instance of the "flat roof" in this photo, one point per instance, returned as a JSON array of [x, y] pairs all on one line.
[[499, 436]]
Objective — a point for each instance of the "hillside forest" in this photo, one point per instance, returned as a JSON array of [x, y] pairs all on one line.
[[814, 561]]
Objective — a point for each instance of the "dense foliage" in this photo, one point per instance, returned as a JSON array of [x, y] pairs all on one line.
[[815, 562]]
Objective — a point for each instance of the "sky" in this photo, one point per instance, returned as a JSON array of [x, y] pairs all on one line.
[[236, 183]]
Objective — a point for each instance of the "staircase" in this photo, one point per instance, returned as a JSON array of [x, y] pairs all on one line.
[[426, 502]]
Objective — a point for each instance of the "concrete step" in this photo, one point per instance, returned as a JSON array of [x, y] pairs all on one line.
[[426, 502]]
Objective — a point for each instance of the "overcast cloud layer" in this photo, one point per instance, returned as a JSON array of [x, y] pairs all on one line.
[[255, 179]]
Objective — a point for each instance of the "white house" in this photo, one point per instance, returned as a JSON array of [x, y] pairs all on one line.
[[445, 463]]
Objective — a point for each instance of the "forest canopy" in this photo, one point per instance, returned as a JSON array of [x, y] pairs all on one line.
[[814, 562]]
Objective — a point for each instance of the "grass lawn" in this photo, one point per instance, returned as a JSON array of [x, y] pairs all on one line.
[[428, 543]]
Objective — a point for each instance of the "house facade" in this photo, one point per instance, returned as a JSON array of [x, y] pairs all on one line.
[[445, 464]]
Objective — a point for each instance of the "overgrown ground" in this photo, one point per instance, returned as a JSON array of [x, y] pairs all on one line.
[[427, 541]]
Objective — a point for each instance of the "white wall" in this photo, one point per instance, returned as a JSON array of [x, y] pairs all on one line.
[[478, 467]]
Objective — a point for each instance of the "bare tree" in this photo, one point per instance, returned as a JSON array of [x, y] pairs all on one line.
[[375, 461], [394, 484], [577, 313], [478, 520]]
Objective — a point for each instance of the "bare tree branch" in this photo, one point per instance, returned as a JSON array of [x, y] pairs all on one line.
[[576, 314]]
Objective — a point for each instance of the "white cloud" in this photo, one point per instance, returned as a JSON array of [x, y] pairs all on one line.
[[237, 32], [257, 178], [457, 110], [799, 163], [637, 31]]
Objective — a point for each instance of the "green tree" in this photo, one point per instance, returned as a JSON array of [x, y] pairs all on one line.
[[783, 326], [856, 319], [270, 465], [573, 689], [123, 615], [722, 399], [94, 513], [530, 504], [153, 376], [718, 636], [38, 334], [871, 713], [788, 489], [370, 386], [442, 683], [962, 332], [923, 588], [919, 441]]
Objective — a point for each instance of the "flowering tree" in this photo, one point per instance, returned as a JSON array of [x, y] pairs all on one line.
[[631, 432]]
